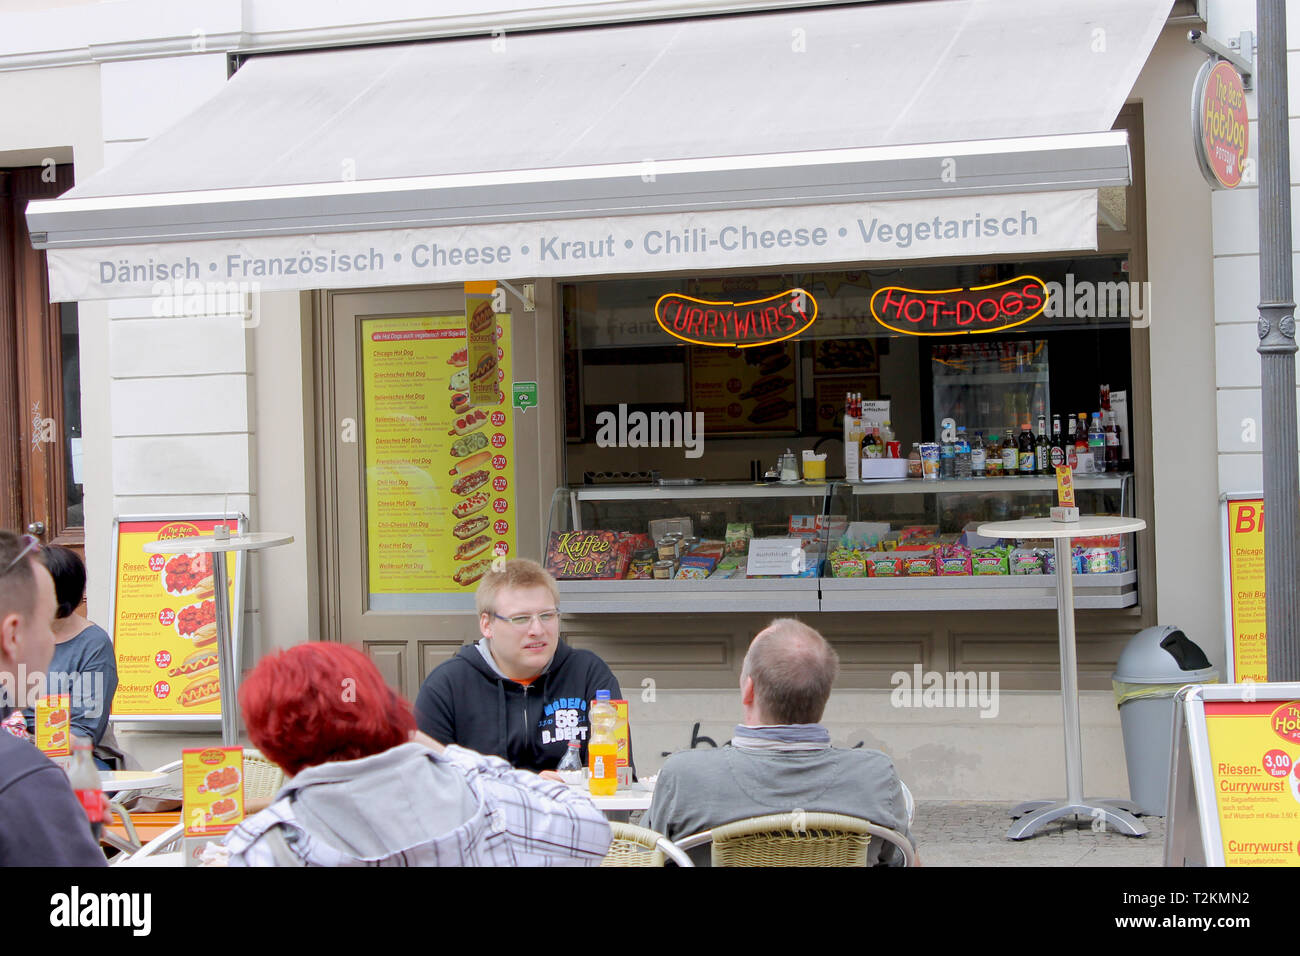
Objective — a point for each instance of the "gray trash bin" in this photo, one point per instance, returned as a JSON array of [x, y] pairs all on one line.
[[1157, 662]]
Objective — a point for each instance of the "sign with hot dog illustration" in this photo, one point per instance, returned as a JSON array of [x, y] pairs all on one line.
[[165, 620], [743, 392], [439, 454], [54, 725], [212, 791]]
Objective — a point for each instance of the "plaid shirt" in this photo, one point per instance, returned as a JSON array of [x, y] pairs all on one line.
[[522, 820]]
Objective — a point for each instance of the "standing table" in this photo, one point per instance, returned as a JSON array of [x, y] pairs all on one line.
[[1035, 813], [226, 663]]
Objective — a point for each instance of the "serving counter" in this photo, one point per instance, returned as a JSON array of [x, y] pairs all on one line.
[[820, 513]]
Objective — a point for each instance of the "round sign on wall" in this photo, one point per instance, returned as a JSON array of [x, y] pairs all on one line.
[[1220, 124]]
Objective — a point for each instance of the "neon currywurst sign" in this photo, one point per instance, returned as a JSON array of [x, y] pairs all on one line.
[[739, 324], [986, 308]]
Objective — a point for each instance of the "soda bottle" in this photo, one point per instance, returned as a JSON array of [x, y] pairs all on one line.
[[1026, 450], [1071, 450], [914, 461], [961, 454], [1010, 460], [1112, 440], [978, 456], [572, 760], [1081, 435], [85, 782], [602, 749]]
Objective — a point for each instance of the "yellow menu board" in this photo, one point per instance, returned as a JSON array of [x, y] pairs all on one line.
[[1248, 641], [440, 498], [54, 725], [164, 621], [743, 391], [1254, 746], [212, 790]]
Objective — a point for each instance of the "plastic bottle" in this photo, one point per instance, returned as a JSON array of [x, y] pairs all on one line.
[[914, 461], [602, 749], [85, 782], [961, 454], [572, 760], [978, 456], [947, 459]]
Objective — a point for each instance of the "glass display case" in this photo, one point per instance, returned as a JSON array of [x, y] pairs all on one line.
[[886, 545]]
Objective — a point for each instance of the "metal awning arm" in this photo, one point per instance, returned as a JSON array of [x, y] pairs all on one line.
[[1240, 58]]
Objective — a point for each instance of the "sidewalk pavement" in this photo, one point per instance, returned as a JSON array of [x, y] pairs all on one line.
[[975, 834]]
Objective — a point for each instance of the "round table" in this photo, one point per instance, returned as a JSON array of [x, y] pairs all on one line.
[[1033, 814], [634, 796], [118, 781], [226, 662]]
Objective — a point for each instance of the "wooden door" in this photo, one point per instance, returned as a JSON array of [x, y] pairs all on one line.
[[40, 386]]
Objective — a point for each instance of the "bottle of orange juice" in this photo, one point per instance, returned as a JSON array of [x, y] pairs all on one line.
[[602, 749]]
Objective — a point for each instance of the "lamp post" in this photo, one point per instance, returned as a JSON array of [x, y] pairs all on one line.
[[1277, 348]]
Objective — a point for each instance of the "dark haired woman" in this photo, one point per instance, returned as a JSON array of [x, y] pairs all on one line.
[[83, 665]]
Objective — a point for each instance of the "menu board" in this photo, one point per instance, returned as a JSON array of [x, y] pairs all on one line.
[[1247, 636], [746, 391], [164, 621], [1254, 746], [439, 470], [212, 796], [54, 725]]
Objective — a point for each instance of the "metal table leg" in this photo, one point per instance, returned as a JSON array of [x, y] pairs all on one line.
[[1037, 813], [225, 653]]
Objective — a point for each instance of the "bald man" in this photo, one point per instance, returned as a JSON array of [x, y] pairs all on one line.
[[780, 759]]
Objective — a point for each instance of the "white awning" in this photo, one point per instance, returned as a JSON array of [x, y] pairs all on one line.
[[763, 118]]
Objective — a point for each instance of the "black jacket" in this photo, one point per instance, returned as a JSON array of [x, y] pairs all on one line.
[[464, 701]]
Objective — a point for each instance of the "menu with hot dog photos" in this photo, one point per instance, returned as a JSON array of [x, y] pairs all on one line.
[[212, 790], [54, 725], [165, 621], [742, 391], [439, 468]]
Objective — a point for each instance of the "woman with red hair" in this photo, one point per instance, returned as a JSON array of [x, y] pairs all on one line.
[[368, 790]]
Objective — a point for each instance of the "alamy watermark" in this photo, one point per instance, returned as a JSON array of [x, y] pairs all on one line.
[[1086, 299], [917, 688], [22, 689], [193, 298], [651, 430]]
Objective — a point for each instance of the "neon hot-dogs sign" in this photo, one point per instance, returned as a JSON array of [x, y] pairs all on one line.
[[736, 324], [986, 308]]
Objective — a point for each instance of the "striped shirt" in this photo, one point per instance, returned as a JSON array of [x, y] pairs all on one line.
[[519, 819]]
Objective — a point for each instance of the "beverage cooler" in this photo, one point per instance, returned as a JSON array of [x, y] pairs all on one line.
[[989, 384]]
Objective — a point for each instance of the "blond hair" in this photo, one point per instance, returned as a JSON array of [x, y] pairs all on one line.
[[515, 574]]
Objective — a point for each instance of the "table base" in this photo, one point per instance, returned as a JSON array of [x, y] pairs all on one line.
[[1034, 814]]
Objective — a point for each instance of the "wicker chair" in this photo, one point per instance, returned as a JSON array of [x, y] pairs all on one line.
[[796, 839], [637, 846], [262, 779]]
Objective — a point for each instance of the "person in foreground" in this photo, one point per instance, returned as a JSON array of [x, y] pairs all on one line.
[[83, 665], [780, 759], [41, 822], [368, 790], [521, 692]]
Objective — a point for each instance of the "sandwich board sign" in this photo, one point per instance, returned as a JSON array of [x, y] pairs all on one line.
[[1234, 784]]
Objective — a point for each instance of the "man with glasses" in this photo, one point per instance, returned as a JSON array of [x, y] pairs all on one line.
[[41, 822], [520, 693]]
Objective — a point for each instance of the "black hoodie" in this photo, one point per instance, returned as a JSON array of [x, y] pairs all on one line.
[[465, 701]]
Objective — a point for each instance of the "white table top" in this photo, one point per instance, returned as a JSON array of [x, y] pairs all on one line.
[[205, 544], [1086, 527], [632, 797], [116, 781]]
